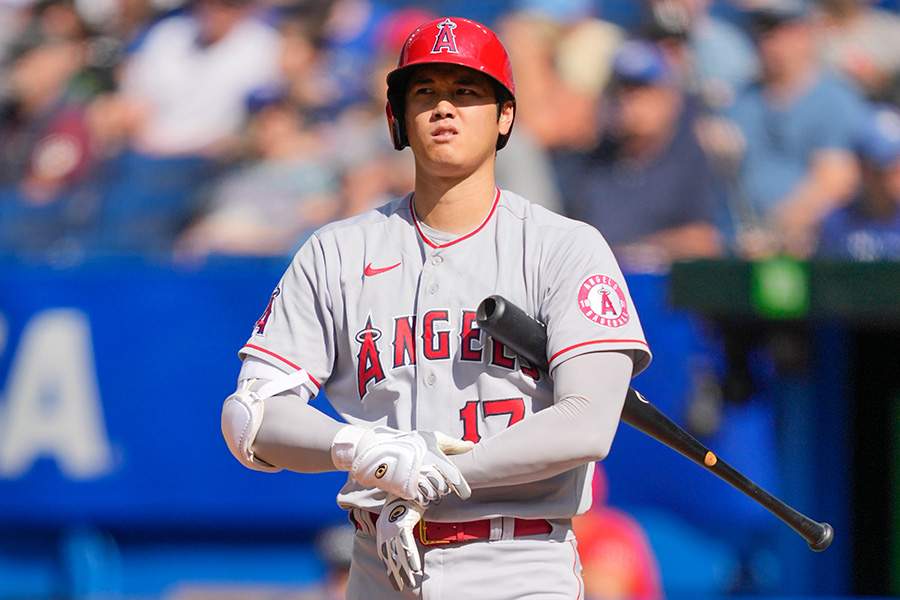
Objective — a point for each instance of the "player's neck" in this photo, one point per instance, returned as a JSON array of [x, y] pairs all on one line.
[[455, 206]]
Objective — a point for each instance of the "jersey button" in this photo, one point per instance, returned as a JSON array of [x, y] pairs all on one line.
[[430, 379], [437, 260], [432, 289]]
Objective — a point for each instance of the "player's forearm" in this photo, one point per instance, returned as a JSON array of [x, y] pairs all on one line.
[[296, 436], [523, 453], [578, 429]]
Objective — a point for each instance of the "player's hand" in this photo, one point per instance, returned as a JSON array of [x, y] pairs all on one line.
[[440, 477], [396, 540], [411, 465]]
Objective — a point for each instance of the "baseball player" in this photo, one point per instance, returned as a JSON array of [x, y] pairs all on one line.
[[465, 464]]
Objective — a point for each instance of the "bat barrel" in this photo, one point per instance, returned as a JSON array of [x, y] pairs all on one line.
[[824, 539]]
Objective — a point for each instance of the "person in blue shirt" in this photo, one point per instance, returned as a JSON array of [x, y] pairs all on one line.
[[797, 126], [869, 228], [647, 185]]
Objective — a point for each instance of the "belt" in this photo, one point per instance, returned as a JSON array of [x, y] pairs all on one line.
[[435, 532], [432, 533]]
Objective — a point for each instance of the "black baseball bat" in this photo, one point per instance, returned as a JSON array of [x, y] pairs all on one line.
[[510, 325]]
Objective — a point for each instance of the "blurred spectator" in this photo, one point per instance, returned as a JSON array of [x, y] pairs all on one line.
[[862, 42], [284, 188], [187, 83], [120, 32], [617, 560], [351, 34], [285, 181], [561, 55], [333, 545], [372, 172], [306, 162], [180, 105], [646, 186], [130, 20], [46, 145], [869, 227], [796, 129], [45, 142], [716, 57], [304, 61]]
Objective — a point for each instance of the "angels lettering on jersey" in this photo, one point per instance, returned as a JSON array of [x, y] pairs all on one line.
[[379, 354], [383, 347], [376, 355]]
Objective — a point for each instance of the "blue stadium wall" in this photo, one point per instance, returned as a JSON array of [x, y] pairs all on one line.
[[115, 480]]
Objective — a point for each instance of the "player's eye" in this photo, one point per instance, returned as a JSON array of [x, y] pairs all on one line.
[[469, 91]]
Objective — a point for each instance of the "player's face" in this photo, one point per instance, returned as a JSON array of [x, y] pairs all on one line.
[[451, 119]]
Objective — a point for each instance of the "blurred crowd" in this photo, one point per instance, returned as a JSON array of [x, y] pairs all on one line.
[[192, 129]]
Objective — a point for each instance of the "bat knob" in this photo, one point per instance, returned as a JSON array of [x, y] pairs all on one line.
[[824, 540]]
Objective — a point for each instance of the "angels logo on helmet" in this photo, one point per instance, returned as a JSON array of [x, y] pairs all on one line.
[[446, 39]]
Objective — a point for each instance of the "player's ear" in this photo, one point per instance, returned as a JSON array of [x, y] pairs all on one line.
[[507, 114]]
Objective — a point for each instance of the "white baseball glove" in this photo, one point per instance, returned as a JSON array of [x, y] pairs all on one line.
[[411, 464], [396, 540], [395, 528]]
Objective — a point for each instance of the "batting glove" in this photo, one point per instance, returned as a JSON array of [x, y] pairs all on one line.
[[396, 540], [438, 476], [411, 465]]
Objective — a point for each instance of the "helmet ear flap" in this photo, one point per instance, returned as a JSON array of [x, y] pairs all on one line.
[[398, 135]]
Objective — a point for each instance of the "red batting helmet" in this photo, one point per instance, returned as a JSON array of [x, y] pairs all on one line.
[[455, 41]]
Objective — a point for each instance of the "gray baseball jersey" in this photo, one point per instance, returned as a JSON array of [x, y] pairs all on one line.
[[380, 311]]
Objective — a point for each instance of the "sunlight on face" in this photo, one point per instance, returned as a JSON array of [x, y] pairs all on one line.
[[451, 117]]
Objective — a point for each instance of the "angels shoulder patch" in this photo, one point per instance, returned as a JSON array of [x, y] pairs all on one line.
[[602, 301]]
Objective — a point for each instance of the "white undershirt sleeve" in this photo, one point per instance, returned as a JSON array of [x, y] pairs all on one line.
[[578, 429]]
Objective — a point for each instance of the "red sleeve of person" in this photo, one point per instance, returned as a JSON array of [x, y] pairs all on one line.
[[48, 122], [61, 153], [617, 559]]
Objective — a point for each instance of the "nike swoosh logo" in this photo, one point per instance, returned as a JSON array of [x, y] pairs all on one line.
[[373, 271]]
